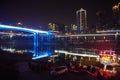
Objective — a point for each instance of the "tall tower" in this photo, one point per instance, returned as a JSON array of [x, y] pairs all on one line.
[[81, 20], [116, 15]]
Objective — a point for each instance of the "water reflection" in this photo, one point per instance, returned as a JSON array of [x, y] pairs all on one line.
[[25, 45]]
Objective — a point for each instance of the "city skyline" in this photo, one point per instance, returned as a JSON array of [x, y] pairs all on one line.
[[40, 13]]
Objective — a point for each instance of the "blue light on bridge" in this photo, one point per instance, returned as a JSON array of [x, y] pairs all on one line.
[[42, 55], [36, 36], [36, 33], [23, 29]]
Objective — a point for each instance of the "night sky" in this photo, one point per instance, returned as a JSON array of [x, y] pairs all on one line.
[[36, 13]]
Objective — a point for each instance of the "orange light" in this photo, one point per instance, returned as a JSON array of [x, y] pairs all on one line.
[[106, 57]]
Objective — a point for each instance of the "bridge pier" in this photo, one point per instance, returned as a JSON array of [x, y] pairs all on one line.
[[36, 42]]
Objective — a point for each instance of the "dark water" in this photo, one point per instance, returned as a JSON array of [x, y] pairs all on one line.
[[17, 44], [27, 46]]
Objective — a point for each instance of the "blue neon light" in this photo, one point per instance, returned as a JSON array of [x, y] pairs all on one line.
[[41, 56], [35, 44], [20, 28], [36, 54]]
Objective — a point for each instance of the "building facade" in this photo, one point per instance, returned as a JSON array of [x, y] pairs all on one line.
[[81, 20]]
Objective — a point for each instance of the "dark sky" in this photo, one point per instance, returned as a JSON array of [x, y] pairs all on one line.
[[40, 12]]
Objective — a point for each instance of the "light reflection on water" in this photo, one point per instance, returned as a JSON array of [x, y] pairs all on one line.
[[25, 46]]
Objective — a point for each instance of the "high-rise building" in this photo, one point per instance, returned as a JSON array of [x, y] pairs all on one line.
[[73, 27], [81, 20], [116, 15], [102, 20], [51, 26], [116, 9], [56, 27]]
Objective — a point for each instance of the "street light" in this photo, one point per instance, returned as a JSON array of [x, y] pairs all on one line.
[[19, 23]]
